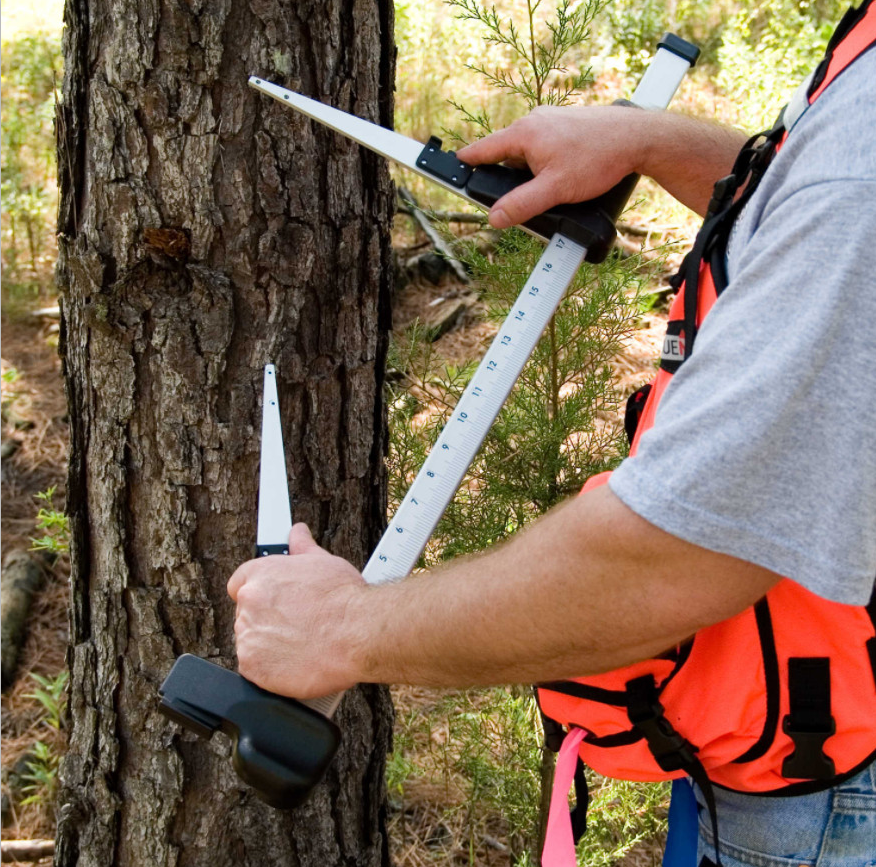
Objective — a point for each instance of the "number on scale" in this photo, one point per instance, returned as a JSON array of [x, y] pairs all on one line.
[[519, 315], [533, 291], [547, 267], [477, 391], [560, 243], [491, 365], [462, 416], [506, 339], [383, 558]]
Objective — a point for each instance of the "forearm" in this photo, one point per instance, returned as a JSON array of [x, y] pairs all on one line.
[[588, 588], [687, 156]]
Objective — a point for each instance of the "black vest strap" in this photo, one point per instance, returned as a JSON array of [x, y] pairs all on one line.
[[810, 722], [671, 751], [871, 643], [771, 683], [578, 813]]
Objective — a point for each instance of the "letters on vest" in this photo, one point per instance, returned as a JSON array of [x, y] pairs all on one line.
[[781, 698]]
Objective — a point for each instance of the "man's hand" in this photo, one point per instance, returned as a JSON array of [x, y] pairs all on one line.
[[576, 153], [291, 616], [580, 152], [589, 587]]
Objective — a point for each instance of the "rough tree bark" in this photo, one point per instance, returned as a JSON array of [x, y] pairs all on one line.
[[204, 231]]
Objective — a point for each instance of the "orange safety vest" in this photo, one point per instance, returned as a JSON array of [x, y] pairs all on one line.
[[781, 698]]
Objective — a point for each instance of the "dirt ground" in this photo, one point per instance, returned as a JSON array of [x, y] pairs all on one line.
[[38, 408]]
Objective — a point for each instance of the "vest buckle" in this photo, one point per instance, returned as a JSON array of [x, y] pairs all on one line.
[[810, 722], [671, 751], [808, 761]]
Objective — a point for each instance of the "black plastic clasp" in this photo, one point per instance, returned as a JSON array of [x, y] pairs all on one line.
[[268, 550], [808, 761], [810, 721], [722, 195], [444, 164], [671, 751], [281, 747]]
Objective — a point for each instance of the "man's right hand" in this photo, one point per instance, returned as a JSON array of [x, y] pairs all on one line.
[[580, 152], [575, 152]]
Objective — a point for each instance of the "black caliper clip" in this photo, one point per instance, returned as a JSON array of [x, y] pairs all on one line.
[[281, 747]]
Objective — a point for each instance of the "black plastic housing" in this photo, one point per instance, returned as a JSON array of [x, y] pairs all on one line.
[[282, 748], [591, 224]]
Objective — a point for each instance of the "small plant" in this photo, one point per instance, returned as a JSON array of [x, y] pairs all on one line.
[[9, 377], [40, 780], [552, 434], [538, 70], [54, 524], [49, 693]]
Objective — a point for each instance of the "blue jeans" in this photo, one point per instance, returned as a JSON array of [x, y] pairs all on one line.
[[835, 828]]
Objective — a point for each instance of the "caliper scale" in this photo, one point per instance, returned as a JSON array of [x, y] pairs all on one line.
[[281, 746]]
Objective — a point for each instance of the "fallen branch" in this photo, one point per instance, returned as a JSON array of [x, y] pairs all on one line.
[[47, 312], [448, 216], [26, 851], [437, 241], [23, 578]]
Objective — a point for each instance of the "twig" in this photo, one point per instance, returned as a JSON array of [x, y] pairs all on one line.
[[25, 851], [48, 312], [448, 216], [437, 241]]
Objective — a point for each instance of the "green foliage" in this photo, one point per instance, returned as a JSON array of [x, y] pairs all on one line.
[[40, 780], [31, 67], [495, 742], [551, 435], [621, 815], [635, 28], [768, 49], [49, 692], [537, 69], [54, 524], [9, 377]]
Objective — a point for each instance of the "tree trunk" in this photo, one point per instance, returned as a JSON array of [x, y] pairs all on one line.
[[205, 230]]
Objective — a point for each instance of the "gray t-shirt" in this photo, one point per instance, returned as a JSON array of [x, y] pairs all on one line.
[[764, 445]]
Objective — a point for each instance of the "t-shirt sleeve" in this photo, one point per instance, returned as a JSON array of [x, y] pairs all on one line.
[[764, 445]]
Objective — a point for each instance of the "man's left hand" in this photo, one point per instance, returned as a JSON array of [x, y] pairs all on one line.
[[291, 614]]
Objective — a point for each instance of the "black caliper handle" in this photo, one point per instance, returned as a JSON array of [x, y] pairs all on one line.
[[591, 224], [281, 747]]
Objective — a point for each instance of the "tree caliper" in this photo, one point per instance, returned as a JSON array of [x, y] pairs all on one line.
[[282, 747]]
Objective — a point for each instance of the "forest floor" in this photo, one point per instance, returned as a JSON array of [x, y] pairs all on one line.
[[428, 823]]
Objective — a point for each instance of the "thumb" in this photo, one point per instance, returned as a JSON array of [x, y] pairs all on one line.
[[300, 540]]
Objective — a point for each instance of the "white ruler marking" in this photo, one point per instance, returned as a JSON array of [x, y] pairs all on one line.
[[444, 469]]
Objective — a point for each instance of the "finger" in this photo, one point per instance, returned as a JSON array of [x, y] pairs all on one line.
[[300, 540], [506, 144], [236, 581], [526, 201]]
